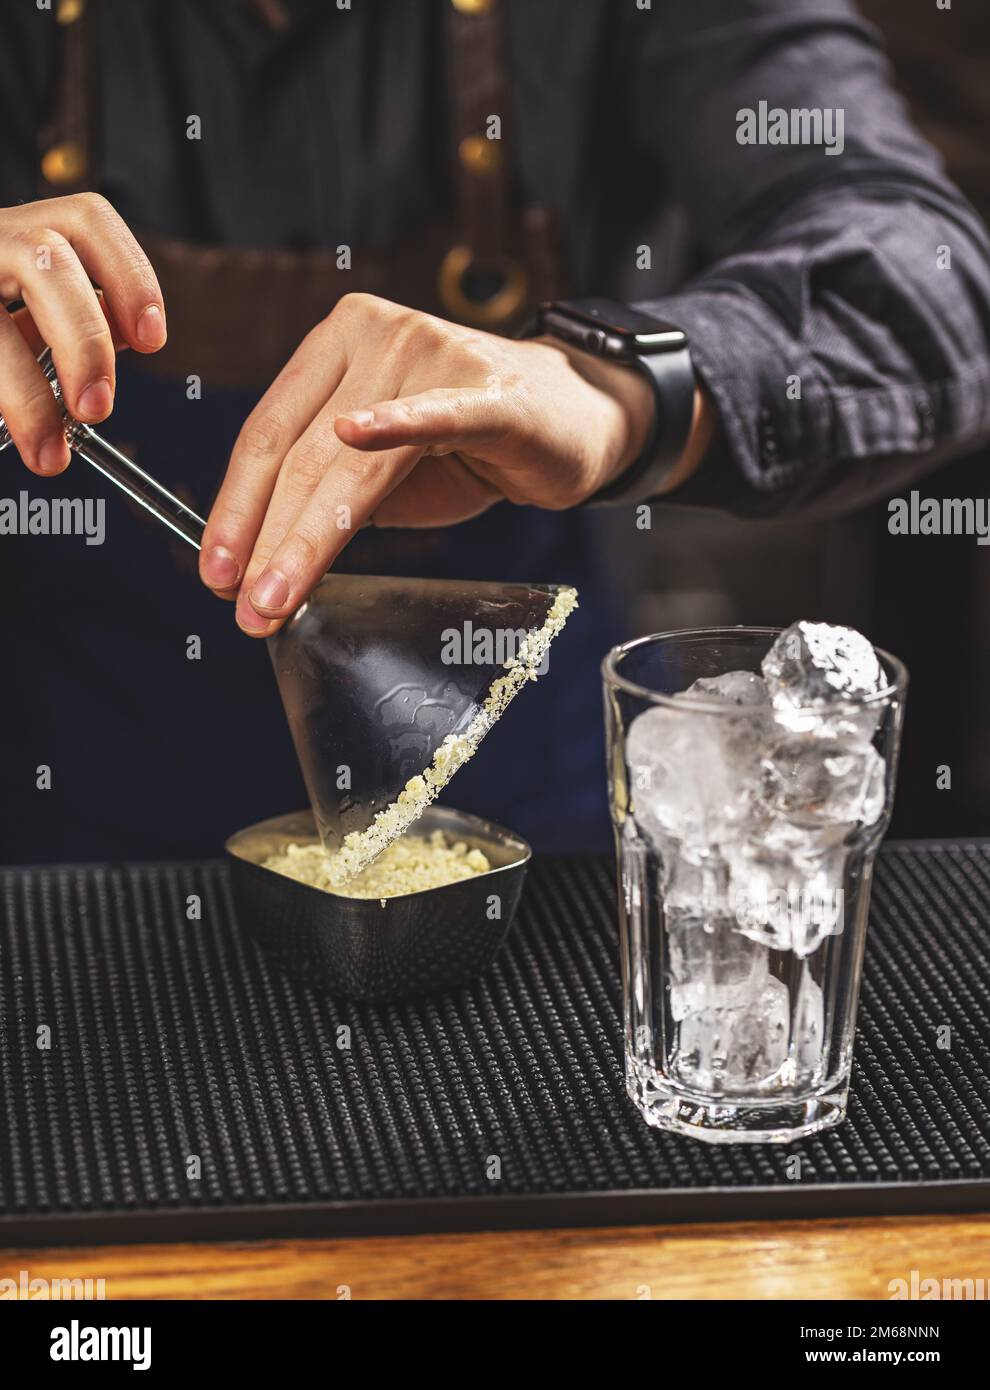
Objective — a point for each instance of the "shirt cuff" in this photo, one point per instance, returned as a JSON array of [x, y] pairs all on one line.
[[773, 412]]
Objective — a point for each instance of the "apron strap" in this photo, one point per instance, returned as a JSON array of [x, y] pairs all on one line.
[[66, 138], [488, 270], [500, 264]]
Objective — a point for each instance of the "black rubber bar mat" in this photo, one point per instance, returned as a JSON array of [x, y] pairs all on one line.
[[159, 1082]]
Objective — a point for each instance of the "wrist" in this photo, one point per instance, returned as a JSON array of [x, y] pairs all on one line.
[[640, 407], [626, 406], [623, 405]]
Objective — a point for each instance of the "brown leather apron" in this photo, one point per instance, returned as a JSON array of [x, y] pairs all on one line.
[[488, 269]]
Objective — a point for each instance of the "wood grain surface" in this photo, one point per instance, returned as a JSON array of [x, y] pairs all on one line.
[[799, 1259]]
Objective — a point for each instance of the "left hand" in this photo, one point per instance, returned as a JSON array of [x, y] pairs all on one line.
[[392, 417]]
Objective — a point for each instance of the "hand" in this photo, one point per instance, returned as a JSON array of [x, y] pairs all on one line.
[[50, 252], [395, 418]]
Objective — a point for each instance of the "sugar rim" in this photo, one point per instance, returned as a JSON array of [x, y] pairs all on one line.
[[361, 847], [612, 677]]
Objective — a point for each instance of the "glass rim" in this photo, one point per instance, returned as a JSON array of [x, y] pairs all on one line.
[[612, 677]]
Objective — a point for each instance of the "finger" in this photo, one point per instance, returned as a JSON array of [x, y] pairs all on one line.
[[28, 405], [350, 492], [304, 468], [444, 421], [438, 492], [63, 304], [120, 343], [288, 407], [29, 329], [302, 471], [113, 257], [43, 422]]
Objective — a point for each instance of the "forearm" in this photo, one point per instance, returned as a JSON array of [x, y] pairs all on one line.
[[839, 356], [841, 325]]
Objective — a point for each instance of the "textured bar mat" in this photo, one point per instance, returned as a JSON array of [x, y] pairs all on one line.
[[186, 1091]]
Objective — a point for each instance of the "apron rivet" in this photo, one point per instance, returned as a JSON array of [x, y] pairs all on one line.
[[65, 163], [485, 291], [68, 11], [479, 155]]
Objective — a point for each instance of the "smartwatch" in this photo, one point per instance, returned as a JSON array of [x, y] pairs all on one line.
[[658, 351]]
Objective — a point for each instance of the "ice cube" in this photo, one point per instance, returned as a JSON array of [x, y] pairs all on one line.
[[734, 687], [791, 899], [808, 1035], [694, 775], [711, 965], [811, 781], [761, 886], [723, 1049], [816, 673], [692, 878]]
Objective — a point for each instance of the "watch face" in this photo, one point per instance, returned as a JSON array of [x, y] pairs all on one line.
[[627, 328]]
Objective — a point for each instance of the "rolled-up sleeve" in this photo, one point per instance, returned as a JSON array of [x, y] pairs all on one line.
[[841, 318]]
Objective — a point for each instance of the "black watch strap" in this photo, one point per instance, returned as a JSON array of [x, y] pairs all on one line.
[[672, 377], [669, 371]]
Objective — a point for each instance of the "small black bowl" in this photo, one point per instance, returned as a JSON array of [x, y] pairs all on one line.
[[366, 948]]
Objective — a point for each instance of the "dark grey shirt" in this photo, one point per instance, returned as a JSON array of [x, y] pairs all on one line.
[[837, 302], [840, 317]]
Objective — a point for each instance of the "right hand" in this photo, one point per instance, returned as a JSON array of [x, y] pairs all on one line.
[[50, 254]]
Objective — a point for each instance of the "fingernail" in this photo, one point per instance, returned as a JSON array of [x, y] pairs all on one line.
[[251, 621], [360, 417], [96, 400], [271, 591], [151, 327], [52, 455], [220, 568]]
